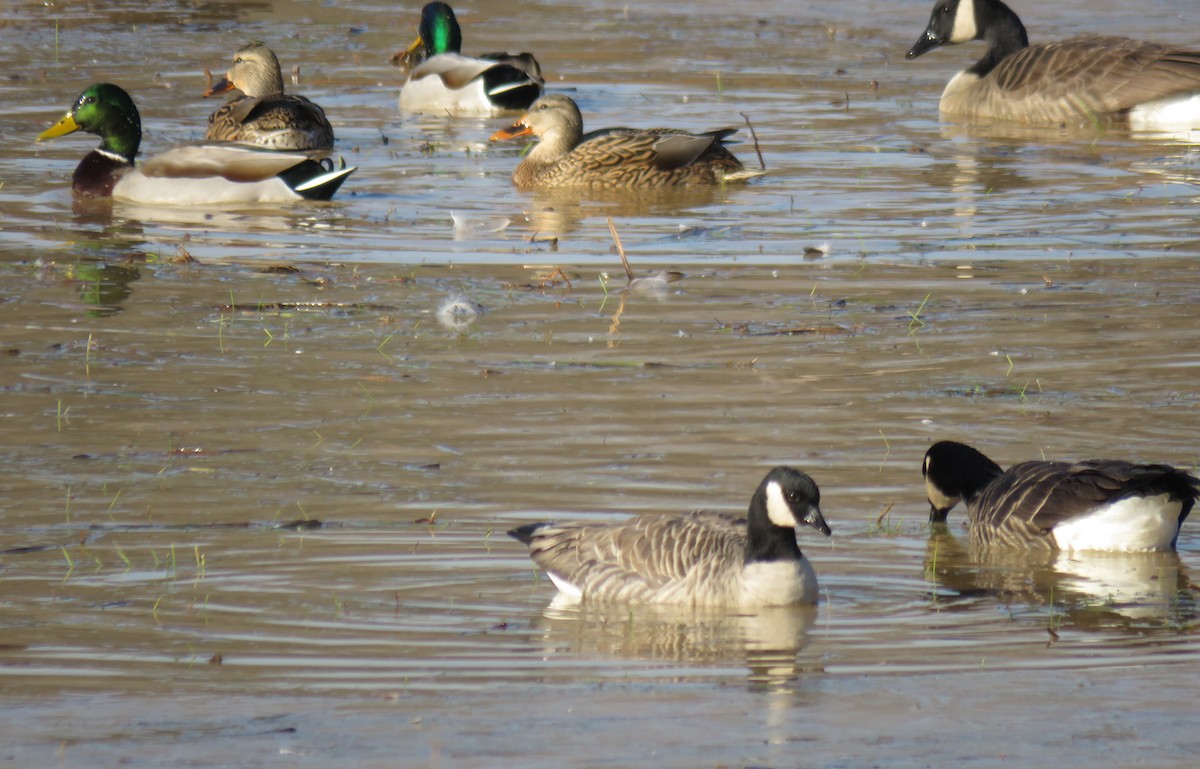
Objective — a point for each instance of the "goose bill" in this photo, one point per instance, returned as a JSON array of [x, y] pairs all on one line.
[[816, 520], [63, 127], [927, 42]]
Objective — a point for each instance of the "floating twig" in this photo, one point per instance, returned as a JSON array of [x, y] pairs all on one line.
[[761, 163], [612, 227]]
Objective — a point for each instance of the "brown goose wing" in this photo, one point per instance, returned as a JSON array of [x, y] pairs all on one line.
[[1093, 74], [633, 560], [1034, 497]]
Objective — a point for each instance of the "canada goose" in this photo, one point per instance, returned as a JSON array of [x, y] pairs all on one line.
[[442, 81], [264, 114], [194, 174], [697, 559], [1077, 80], [616, 158], [1097, 504]]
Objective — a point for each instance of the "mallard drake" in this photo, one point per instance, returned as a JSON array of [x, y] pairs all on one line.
[[189, 175], [698, 559], [616, 158], [1077, 80], [264, 114], [1099, 504], [441, 81]]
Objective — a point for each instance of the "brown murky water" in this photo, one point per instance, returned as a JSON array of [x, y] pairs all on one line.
[[253, 505]]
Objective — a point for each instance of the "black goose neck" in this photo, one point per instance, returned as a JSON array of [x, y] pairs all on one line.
[[1003, 32], [764, 540]]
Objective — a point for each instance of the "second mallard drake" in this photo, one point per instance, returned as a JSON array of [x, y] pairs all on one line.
[[196, 174], [264, 114], [441, 81], [617, 158]]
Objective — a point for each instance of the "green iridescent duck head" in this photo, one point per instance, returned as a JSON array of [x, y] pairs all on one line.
[[438, 33], [107, 111]]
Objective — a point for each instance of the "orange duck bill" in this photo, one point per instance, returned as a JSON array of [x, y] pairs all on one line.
[[512, 132], [221, 86]]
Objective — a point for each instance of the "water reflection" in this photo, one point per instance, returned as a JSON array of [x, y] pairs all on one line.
[[560, 212], [1085, 591], [766, 641], [104, 287]]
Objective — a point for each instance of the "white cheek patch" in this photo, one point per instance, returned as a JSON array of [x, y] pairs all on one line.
[[937, 498], [778, 509], [964, 22]]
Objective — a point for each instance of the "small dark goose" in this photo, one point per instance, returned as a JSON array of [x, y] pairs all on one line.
[[697, 559], [1097, 504], [1074, 81]]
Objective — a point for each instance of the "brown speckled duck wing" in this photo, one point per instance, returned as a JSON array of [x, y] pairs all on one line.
[[281, 122], [1030, 499], [639, 559], [645, 158], [1088, 75]]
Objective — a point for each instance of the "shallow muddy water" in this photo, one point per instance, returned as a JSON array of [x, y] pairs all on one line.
[[254, 502]]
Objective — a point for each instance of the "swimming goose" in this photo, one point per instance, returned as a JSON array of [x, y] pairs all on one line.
[[189, 175], [698, 559], [442, 81], [616, 158], [1077, 81], [264, 114], [1097, 504]]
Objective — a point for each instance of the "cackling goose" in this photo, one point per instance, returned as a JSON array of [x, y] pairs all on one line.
[[1078, 80], [1097, 504], [697, 559]]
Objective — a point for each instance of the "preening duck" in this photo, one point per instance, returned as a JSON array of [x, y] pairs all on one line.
[[442, 81], [1074, 81], [1098, 504], [264, 115], [616, 158], [697, 559], [196, 174]]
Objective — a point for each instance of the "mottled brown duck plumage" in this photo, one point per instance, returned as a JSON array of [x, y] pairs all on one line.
[[616, 158], [264, 115]]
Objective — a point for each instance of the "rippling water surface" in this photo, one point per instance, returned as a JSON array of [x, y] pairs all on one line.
[[256, 486]]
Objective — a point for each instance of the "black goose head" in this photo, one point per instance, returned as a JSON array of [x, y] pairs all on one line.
[[785, 499], [961, 21], [954, 472]]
